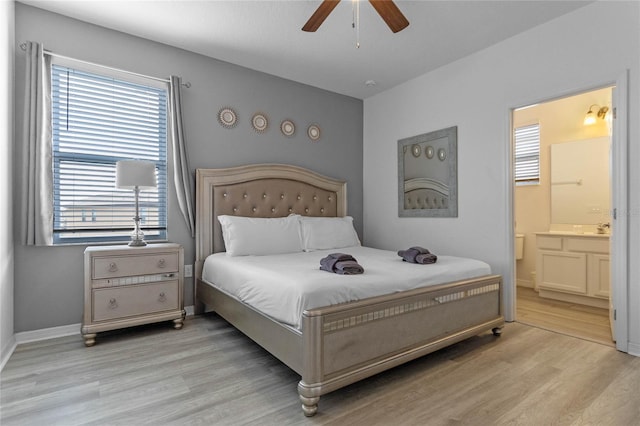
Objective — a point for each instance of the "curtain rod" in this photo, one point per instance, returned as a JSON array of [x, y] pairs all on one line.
[[23, 46]]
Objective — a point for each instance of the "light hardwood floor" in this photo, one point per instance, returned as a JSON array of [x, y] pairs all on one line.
[[585, 322], [210, 374]]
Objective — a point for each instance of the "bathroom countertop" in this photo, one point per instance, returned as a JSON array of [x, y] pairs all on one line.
[[573, 234]]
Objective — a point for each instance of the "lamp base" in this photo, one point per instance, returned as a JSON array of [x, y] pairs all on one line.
[[137, 236], [137, 243]]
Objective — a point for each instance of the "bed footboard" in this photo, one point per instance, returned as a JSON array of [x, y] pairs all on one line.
[[337, 348]]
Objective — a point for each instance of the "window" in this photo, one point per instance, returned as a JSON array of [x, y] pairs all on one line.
[[527, 154], [97, 121]]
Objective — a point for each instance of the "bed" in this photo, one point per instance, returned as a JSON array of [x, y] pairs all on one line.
[[335, 345]]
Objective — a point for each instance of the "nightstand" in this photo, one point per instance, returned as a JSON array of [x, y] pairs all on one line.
[[127, 286]]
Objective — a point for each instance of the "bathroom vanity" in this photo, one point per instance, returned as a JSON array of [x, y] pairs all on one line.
[[573, 267]]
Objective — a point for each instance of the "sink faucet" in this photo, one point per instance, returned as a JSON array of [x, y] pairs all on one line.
[[602, 226]]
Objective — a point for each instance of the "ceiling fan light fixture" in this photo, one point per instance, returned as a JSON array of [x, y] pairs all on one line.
[[320, 15], [390, 13], [387, 10]]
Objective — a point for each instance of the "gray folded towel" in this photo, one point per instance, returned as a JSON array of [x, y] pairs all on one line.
[[341, 263], [417, 254]]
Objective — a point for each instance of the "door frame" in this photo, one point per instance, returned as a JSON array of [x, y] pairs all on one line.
[[619, 298], [619, 189]]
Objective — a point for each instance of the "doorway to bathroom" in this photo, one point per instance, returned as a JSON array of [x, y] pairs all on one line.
[[563, 214]]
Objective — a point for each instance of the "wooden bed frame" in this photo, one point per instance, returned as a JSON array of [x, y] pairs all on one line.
[[341, 344]]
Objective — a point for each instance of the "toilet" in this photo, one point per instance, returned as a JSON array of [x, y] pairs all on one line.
[[519, 246]]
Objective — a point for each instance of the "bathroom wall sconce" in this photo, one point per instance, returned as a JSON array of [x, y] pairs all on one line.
[[590, 118]]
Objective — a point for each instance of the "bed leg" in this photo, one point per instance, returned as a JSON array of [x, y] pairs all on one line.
[[497, 331], [309, 405], [309, 396]]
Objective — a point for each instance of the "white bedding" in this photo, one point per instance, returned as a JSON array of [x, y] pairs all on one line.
[[283, 286]]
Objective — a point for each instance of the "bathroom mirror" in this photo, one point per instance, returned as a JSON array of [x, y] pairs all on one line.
[[580, 182], [428, 174]]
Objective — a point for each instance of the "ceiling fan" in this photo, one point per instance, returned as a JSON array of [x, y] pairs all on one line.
[[387, 10]]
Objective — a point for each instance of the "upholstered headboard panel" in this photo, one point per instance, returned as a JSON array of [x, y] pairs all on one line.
[[262, 190], [425, 193], [425, 199]]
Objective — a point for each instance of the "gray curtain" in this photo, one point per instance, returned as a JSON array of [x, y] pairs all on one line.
[[181, 174], [37, 162]]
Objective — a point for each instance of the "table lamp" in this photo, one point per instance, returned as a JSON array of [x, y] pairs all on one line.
[[137, 175]]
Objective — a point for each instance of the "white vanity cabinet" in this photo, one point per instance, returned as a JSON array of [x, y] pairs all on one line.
[[573, 267]]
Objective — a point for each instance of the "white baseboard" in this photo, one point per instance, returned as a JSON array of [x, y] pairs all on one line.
[[189, 310], [633, 349], [47, 333], [524, 283], [34, 336], [7, 351], [61, 331]]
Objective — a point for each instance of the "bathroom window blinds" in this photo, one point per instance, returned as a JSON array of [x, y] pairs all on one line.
[[96, 121], [527, 154]]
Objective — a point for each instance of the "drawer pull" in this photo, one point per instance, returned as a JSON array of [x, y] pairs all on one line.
[[162, 297], [169, 275], [113, 267], [161, 263], [113, 303]]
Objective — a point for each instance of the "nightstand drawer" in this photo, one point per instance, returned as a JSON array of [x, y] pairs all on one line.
[[131, 265], [121, 302]]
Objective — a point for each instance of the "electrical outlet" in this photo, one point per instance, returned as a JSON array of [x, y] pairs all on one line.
[[188, 271]]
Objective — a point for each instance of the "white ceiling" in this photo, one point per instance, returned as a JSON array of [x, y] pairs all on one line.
[[266, 35]]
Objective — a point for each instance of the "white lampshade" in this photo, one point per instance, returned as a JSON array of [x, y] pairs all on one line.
[[590, 118], [132, 173]]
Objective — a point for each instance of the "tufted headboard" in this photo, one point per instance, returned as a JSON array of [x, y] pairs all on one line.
[[425, 193], [260, 190]]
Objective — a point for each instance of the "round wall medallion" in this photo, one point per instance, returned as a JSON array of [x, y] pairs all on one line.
[[287, 127], [442, 154], [227, 118], [428, 151], [416, 150], [314, 132], [259, 122]]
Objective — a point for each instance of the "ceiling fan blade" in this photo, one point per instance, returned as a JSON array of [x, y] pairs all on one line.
[[320, 15], [391, 14]]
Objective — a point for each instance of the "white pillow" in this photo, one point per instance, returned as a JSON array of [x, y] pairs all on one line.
[[323, 233], [260, 236]]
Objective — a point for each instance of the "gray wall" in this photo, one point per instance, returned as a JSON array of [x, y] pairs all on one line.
[[477, 93], [6, 148], [48, 280]]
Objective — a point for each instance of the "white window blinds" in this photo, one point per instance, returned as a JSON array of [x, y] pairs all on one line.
[[97, 121], [527, 154]]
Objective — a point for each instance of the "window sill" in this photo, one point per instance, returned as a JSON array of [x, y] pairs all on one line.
[[106, 243], [529, 183]]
